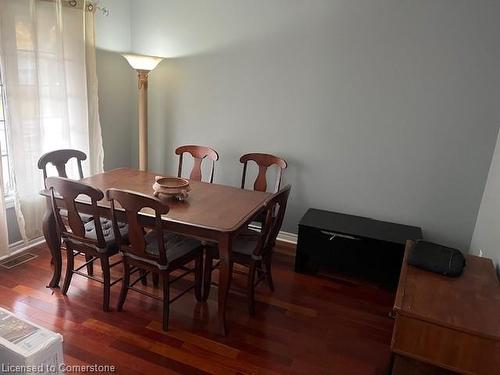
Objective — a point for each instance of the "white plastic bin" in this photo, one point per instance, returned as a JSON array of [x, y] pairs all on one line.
[[27, 348]]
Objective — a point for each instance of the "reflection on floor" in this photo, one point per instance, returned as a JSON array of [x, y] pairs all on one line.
[[309, 325]]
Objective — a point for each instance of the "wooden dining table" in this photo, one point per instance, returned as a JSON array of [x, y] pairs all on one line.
[[212, 212]]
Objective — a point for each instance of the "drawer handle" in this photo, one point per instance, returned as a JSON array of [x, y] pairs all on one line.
[[333, 235]]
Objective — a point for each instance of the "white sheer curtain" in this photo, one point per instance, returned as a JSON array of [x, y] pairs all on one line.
[[4, 237], [48, 57]]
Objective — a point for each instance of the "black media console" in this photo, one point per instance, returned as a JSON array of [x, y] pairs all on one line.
[[358, 246]]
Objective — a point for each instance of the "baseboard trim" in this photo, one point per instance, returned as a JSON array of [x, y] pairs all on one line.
[[21, 246], [287, 237]]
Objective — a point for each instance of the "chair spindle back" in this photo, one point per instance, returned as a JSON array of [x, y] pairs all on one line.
[[274, 214], [59, 158], [74, 229], [132, 203], [263, 161], [198, 153]]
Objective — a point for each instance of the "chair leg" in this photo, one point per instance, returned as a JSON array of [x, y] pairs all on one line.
[[90, 266], [107, 282], [156, 279], [144, 278], [268, 274], [70, 264], [125, 284], [166, 299], [251, 288], [207, 276], [198, 278]]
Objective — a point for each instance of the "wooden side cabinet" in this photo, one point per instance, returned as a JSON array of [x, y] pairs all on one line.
[[447, 325]]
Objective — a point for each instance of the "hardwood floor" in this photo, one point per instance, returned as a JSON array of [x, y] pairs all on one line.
[[309, 325]]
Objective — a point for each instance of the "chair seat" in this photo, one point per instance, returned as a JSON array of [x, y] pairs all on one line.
[[85, 217], [177, 245], [244, 244], [107, 231]]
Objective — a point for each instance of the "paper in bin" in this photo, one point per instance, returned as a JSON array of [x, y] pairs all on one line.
[[23, 343]]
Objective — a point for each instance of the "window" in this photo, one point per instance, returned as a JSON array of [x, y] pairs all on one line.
[[4, 147]]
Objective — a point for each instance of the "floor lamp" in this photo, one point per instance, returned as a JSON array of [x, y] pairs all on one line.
[[143, 65]]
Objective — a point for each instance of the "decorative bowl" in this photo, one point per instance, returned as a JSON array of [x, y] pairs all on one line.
[[171, 187]]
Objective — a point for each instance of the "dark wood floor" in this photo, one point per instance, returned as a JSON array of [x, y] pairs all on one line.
[[309, 325]]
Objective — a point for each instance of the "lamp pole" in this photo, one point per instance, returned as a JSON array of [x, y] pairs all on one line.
[[142, 76], [143, 65]]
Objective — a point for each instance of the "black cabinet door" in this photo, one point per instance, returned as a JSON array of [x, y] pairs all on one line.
[[320, 251]]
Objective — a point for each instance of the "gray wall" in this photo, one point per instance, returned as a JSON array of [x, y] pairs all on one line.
[[113, 32], [383, 108], [117, 107], [486, 238]]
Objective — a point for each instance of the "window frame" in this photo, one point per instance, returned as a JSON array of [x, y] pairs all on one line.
[[8, 190]]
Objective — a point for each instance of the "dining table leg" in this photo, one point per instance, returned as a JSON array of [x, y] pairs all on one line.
[[225, 274], [54, 244]]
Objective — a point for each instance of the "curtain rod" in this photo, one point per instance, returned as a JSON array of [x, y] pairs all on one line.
[[91, 6], [78, 4]]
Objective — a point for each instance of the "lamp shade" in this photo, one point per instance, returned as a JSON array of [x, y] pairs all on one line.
[[141, 62]]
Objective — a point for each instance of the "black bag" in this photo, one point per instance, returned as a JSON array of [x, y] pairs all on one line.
[[437, 258]]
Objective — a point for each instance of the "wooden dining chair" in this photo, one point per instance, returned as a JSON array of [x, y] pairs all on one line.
[[253, 249], [263, 161], [198, 153], [95, 239], [59, 159], [152, 249]]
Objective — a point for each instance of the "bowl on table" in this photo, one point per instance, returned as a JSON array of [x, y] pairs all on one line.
[[171, 187]]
